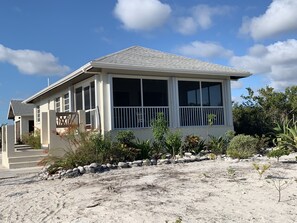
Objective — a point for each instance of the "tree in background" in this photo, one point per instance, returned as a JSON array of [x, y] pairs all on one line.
[[258, 113]]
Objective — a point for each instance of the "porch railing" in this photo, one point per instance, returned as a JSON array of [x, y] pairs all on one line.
[[66, 119], [137, 117], [198, 116]]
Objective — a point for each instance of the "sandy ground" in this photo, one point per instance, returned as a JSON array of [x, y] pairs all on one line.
[[197, 192]]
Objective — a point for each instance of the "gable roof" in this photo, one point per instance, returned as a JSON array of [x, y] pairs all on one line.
[[137, 58], [141, 58], [18, 108]]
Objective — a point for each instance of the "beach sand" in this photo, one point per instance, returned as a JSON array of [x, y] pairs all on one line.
[[196, 192]]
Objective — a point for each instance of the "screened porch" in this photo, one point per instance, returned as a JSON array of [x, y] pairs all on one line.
[[137, 101]]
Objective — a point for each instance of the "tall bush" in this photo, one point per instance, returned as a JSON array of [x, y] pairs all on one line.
[[160, 129]]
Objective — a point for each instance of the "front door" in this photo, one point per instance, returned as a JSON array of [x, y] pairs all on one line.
[[31, 126]]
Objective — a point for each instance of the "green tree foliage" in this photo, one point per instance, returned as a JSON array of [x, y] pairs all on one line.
[[257, 114]]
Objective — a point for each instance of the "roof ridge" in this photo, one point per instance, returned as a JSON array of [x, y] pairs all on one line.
[[111, 54]]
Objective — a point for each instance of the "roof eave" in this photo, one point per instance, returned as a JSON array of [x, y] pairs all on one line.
[[238, 74], [60, 82]]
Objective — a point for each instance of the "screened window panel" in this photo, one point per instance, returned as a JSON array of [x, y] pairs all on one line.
[[189, 93], [212, 94], [126, 92], [155, 92]]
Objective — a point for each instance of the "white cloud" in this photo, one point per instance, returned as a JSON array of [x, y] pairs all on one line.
[[32, 62], [186, 25], [279, 18], [205, 50], [201, 16], [236, 85], [142, 14], [277, 61]]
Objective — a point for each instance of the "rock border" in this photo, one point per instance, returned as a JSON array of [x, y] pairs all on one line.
[[100, 168]]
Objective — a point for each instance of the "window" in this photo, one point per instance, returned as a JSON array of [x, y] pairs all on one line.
[[66, 102], [189, 93], [85, 100], [37, 114], [78, 99], [57, 104], [93, 104]]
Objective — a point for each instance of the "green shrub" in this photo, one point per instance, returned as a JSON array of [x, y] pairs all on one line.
[[242, 146], [278, 152], [173, 142], [160, 129], [144, 149], [126, 137], [286, 135], [262, 144], [32, 139], [193, 144], [218, 145]]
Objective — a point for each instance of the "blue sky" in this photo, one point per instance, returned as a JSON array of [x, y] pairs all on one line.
[[49, 39]]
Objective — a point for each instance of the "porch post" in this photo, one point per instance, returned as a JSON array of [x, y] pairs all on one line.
[[51, 128], [228, 105], [173, 103], [44, 129], [97, 122], [9, 139], [107, 102]]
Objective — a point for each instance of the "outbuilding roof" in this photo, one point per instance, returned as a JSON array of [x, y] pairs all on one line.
[[18, 108]]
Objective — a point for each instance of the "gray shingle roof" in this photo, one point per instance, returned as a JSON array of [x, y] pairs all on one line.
[[137, 56], [17, 108]]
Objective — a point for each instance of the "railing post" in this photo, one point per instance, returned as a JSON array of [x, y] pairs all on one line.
[[82, 120]]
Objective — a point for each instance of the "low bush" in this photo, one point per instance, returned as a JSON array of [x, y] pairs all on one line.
[[218, 145], [126, 137], [278, 152], [173, 142], [193, 144], [144, 149], [32, 139], [242, 147]]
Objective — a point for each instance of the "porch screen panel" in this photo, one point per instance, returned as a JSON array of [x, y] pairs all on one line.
[[155, 92], [195, 103], [189, 102], [138, 101], [189, 93], [212, 94], [126, 92], [127, 103]]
